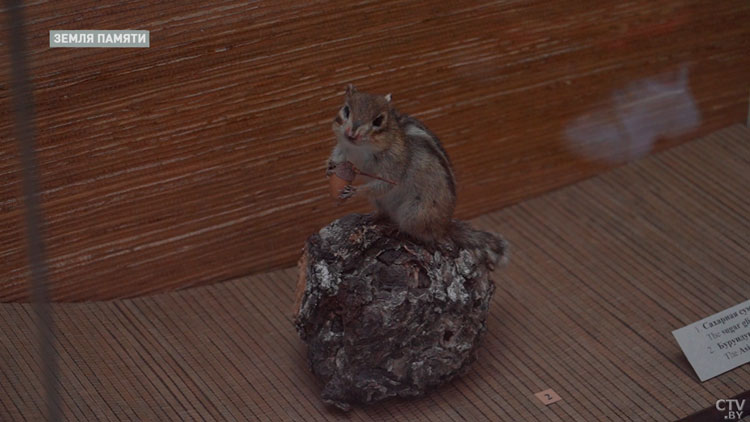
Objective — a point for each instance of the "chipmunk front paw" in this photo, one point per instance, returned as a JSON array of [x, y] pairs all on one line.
[[347, 192], [331, 168]]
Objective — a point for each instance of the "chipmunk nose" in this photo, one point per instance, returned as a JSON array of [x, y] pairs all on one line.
[[351, 132]]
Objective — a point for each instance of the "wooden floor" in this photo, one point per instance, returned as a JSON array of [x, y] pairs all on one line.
[[601, 272]]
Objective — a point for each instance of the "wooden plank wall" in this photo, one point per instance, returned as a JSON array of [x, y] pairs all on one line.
[[200, 159]]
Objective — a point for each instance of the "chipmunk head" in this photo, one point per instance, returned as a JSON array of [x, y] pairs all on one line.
[[363, 118]]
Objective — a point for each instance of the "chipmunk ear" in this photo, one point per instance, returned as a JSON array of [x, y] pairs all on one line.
[[350, 89], [388, 97]]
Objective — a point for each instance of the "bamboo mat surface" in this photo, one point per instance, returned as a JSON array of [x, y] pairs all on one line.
[[601, 272], [208, 147]]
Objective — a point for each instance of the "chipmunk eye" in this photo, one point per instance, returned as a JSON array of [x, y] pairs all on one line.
[[378, 121], [345, 110]]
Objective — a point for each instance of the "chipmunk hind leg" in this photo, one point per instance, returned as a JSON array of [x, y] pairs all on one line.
[[421, 222]]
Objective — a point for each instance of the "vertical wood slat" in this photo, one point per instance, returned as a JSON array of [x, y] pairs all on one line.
[[200, 158], [601, 272]]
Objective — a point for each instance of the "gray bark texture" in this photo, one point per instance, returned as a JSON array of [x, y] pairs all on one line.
[[384, 316]]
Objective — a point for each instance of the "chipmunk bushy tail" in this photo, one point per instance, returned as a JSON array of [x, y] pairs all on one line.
[[493, 247]]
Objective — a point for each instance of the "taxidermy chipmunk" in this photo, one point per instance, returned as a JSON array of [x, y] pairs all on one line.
[[410, 179]]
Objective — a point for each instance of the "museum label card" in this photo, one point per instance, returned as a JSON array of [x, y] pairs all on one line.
[[718, 343]]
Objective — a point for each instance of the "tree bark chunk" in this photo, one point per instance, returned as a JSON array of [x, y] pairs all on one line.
[[385, 316]]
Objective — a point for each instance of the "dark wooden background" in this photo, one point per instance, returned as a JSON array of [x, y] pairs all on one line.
[[201, 158]]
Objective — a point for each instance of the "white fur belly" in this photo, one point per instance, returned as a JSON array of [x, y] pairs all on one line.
[[359, 156]]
